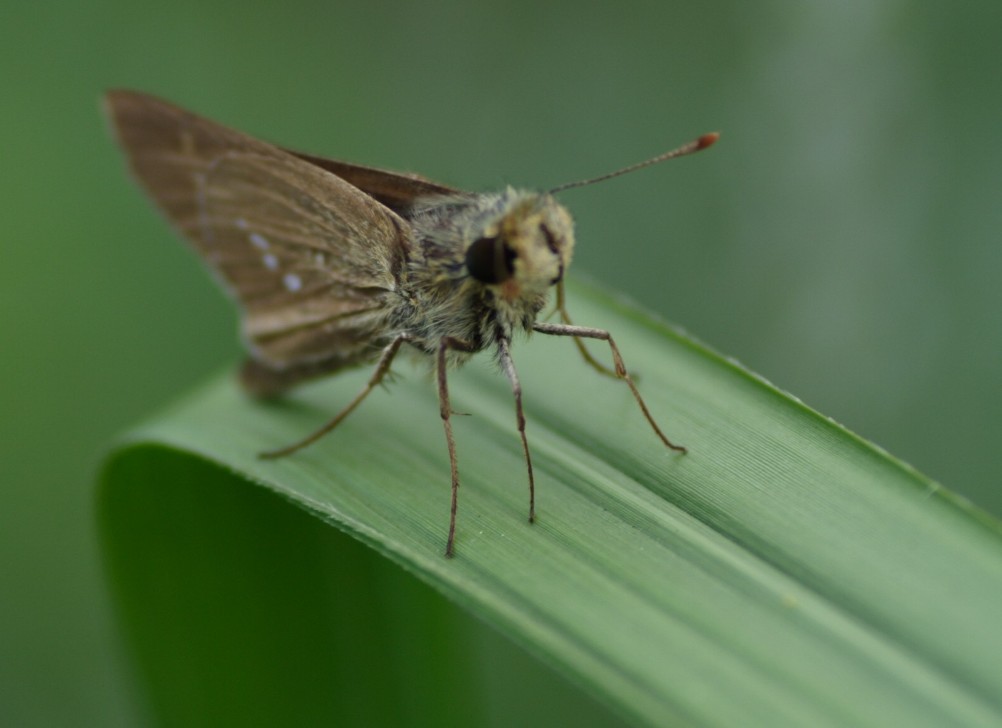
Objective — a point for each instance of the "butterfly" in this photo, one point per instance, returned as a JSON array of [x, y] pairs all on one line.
[[336, 265]]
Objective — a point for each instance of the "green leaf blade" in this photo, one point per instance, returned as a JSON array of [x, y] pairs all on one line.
[[783, 572]]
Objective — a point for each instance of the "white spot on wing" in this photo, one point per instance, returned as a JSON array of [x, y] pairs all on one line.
[[292, 282], [258, 241], [270, 261], [240, 223]]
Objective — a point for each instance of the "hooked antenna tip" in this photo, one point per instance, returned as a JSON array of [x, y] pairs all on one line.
[[707, 140]]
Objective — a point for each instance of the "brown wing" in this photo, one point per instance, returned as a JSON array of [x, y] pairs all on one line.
[[396, 190], [312, 259]]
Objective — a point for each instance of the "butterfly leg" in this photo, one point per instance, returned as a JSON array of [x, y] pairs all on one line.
[[508, 366], [583, 332], [445, 410], [594, 363], [382, 368]]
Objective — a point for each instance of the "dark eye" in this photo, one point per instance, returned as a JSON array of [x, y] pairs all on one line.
[[551, 243], [489, 260], [551, 240]]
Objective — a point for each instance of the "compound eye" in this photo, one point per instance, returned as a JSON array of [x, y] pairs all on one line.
[[551, 243], [551, 240], [490, 261]]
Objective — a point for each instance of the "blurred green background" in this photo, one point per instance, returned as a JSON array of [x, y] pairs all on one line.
[[841, 240]]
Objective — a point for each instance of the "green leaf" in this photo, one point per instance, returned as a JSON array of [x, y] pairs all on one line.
[[783, 572]]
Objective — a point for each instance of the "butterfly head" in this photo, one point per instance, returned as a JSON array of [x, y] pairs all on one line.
[[524, 248]]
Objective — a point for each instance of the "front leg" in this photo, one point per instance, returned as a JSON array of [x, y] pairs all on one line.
[[445, 410], [594, 363], [583, 332]]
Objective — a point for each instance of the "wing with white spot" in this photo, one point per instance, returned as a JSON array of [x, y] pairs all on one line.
[[312, 260]]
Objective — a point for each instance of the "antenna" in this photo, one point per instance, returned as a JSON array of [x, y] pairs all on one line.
[[695, 145]]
